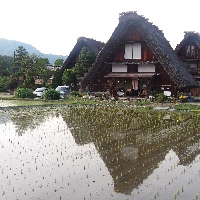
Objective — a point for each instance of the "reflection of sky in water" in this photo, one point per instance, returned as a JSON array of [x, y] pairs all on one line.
[[46, 163], [171, 181]]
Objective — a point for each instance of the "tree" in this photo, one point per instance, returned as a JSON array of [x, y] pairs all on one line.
[[4, 83], [35, 67], [19, 55], [69, 77], [30, 67], [85, 61], [20, 64], [44, 73], [27, 70], [59, 62], [4, 71], [6, 63], [14, 82], [57, 78]]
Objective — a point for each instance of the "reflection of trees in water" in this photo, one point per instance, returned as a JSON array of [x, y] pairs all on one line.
[[30, 118], [4, 117], [132, 143]]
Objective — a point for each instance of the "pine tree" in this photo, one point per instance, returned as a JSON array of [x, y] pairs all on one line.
[[19, 56]]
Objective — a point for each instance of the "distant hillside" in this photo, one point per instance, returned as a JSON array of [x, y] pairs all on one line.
[[7, 47]]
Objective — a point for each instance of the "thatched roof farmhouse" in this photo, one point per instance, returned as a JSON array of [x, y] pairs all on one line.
[[188, 51], [157, 63]]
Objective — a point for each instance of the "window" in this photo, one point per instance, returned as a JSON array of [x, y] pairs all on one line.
[[119, 68], [146, 68], [132, 51], [190, 51], [193, 68], [198, 80]]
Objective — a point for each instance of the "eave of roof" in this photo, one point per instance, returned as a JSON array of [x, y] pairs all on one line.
[[130, 75]]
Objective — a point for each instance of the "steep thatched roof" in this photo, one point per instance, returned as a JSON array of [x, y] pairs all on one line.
[[155, 40], [189, 36], [92, 44]]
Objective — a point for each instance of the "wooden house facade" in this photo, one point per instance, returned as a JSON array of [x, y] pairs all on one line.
[[136, 58], [189, 52]]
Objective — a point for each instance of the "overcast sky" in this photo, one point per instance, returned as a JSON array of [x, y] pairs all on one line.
[[53, 26]]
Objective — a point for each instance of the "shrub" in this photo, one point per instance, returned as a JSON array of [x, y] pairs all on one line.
[[182, 97], [148, 107], [22, 86], [179, 94], [24, 93], [173, 99], [75, 93], [142, 103], [161, 97], [51, 95]]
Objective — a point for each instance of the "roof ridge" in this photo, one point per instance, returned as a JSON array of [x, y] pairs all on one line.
[[82, 38]]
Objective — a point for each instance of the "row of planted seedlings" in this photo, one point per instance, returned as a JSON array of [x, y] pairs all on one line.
[[123, 136], [96, 125], [144, 125], [131, 142]]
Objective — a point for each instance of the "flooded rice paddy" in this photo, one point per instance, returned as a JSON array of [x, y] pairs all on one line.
[[99, 153]]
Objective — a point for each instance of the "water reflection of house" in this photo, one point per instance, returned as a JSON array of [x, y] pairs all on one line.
[[187, 154], [138, 57], [128, 163], [189, 148], [131, 157], [189, 52]]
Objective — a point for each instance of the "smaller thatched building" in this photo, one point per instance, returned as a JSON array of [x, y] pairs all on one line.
[[93, 45], [189, 52]]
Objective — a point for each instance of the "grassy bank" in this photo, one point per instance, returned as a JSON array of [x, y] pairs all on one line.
[[7, 100]]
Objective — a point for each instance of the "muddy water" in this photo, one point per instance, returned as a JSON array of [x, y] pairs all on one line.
[[62, 153]]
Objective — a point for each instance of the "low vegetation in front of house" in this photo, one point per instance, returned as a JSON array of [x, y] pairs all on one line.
[[187, 106], [51, 95], [23, 97], [24, 93]]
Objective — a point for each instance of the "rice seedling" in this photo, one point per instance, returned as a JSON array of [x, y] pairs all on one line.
[[102, 151]]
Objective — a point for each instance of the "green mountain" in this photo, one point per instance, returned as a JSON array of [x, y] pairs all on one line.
[[7, 47]]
